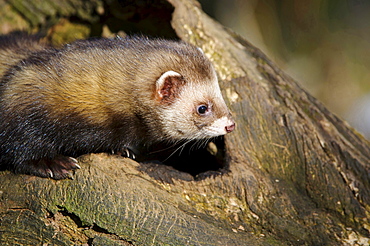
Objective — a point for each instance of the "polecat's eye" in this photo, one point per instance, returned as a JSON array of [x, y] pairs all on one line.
[[202, 109]]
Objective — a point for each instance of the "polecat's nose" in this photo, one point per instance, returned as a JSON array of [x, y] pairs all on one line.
[[230, 128]]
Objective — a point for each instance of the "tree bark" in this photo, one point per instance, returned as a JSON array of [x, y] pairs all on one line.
[[292, 172]]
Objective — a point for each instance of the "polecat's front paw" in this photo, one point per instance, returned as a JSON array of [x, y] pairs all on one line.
[[128, 153], [125, 152], [58, 168]]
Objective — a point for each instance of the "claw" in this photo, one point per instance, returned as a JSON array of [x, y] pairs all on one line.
[[51, 175], [128, 153], [69, 176], [75, 161]]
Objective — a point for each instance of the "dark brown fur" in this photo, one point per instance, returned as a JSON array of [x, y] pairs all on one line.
[[95, 95]]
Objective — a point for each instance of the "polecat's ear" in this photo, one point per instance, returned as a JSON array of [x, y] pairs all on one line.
[[168, 86]]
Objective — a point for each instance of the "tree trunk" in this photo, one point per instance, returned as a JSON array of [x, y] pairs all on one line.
[[291, 173]]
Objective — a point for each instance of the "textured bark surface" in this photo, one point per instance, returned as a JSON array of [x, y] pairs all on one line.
[[293, 173]]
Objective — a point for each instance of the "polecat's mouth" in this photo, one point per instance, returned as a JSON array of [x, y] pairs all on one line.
[[219, 127]]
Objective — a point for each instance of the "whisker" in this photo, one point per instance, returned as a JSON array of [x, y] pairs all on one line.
[[197, 143], [182, 146], [164, 149]]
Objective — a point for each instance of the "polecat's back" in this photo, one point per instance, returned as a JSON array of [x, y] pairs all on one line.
[[15, 47]]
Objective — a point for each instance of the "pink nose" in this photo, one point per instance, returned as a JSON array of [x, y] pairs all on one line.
[[230, 128]]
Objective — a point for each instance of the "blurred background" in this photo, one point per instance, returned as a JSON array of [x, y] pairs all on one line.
[[323, 44]]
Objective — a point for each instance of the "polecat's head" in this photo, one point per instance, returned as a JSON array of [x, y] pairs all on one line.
[[192, 106]]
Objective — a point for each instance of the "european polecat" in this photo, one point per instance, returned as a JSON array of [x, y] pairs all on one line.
[[102, 95]]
